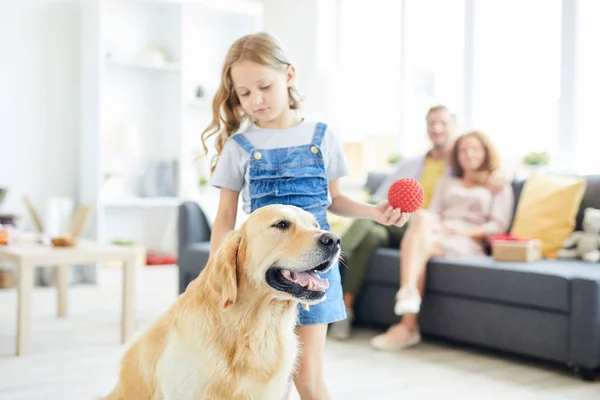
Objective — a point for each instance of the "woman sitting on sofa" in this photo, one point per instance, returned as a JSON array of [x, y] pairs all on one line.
[[462, 214]]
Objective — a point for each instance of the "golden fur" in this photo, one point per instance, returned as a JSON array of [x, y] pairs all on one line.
[[230, 335]]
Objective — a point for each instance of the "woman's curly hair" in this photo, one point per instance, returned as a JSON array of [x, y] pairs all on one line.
[[491, 161]]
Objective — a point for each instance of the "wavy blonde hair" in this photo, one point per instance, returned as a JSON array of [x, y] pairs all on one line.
[[228, 115], [491, 161]]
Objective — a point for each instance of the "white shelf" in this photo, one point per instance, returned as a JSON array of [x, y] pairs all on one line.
[[205, 103], [166, 67], [141, 116], [142, 202], [247, 7]]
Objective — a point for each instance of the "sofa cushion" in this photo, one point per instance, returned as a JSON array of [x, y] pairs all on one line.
[[194, 257], [544, 284], [547, 209]]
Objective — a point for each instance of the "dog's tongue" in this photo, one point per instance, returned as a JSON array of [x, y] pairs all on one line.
[[302, 278]]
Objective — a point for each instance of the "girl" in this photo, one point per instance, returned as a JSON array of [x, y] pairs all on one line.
[[281, 158], [462, 214]]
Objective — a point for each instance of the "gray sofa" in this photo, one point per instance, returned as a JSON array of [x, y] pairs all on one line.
[[548, 310]]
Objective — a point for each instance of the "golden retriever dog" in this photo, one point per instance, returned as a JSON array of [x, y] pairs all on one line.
[[231, 334]]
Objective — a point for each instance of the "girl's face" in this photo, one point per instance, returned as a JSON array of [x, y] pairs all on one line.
[[471, 154], [262, 90]]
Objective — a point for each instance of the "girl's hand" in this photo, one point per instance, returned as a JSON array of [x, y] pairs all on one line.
[[387, 215]]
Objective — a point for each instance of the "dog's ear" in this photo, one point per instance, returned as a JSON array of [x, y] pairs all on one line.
[[226, 268]]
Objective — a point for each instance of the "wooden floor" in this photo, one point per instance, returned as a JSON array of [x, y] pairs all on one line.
[[77, 357]]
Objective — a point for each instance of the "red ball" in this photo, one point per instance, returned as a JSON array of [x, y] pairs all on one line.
[[406, 194]]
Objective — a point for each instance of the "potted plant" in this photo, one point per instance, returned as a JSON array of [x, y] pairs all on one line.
[[535, 161], [395, 159]]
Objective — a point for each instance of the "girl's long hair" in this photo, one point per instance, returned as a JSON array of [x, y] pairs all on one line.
[[227, 114]]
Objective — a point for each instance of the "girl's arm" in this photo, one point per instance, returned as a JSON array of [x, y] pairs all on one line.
[[225, 219], [344, 206]]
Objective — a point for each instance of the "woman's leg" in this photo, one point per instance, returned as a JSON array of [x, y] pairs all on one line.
[[418, 246], [309, 379], [354, 276]]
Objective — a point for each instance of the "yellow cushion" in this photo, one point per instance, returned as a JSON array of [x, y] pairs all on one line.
[[547, 209]]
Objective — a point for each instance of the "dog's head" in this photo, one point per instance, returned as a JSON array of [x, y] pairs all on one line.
[[280, 252]]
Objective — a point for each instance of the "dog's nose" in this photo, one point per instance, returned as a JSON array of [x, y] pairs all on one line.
[[329, 239]]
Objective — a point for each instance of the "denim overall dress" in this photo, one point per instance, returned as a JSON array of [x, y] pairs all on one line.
[[297, 176]]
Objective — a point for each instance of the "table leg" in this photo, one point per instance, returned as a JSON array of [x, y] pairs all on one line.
[[128, 323], [25, 289], [62, 288]]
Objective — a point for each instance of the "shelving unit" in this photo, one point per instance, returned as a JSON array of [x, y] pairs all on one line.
[[142, 64]]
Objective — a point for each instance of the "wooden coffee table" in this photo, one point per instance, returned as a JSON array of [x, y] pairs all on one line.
[[29, 255]]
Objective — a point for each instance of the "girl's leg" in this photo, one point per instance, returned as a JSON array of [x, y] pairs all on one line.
[[309, 379], [418, 246]]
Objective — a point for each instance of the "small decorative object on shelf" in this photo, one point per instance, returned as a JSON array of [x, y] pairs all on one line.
[[158, 56], [199, 93]]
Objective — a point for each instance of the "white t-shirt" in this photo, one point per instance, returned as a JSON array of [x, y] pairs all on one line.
[[232, 167]]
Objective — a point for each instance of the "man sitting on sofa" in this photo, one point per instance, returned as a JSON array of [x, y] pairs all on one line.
[[363, 237]]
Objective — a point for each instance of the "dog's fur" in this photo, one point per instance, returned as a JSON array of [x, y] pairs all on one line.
[[231, 334]]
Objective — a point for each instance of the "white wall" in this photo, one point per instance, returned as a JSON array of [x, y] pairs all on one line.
[[40, 89], [39, 100], [298, 24]]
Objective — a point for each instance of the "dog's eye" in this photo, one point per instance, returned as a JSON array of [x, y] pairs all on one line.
[[282, 224]]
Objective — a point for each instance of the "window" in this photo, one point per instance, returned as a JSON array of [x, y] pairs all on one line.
[[516, 82], [367, 81], [434, 65], [587, 100]]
